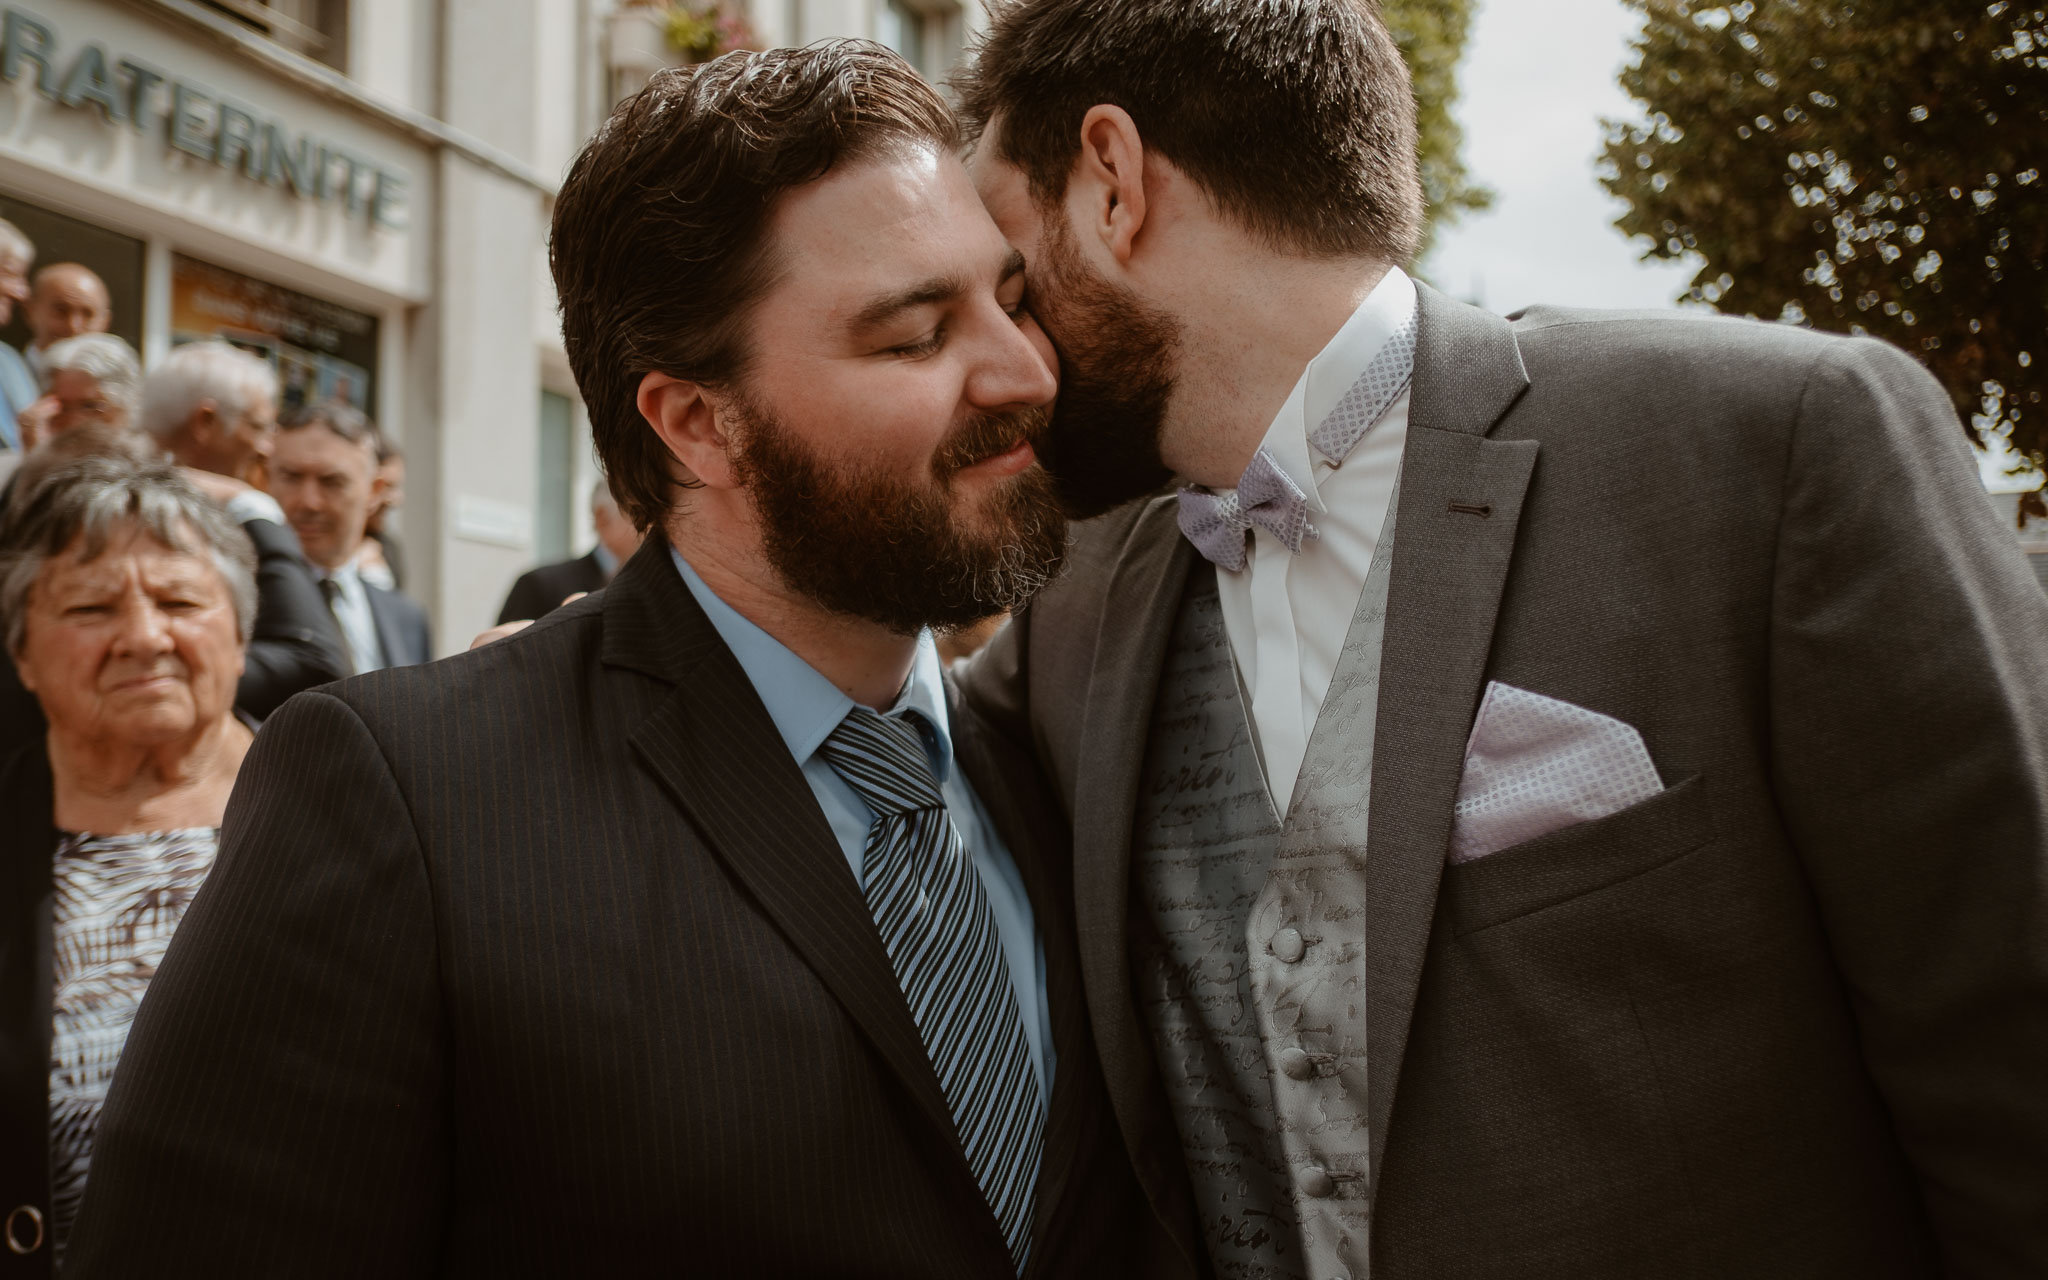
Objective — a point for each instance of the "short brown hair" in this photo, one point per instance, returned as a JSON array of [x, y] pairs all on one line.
[[660, 247], [1297, 117]]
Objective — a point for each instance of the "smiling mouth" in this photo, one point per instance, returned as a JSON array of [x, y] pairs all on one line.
[[1016, 457]]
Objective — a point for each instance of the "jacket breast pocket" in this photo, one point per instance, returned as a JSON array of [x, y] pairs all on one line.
[[1577, 860]]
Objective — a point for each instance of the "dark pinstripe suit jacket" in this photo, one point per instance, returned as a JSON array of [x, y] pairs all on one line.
[[543, 961]]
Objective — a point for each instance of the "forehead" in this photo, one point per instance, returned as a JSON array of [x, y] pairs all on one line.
[[906, 214], [73, 382], [72, 287], [129, 549], [317, 447]]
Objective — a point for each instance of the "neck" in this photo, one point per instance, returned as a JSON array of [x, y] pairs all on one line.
[[867, 662], [116, 788], [1245, 344]]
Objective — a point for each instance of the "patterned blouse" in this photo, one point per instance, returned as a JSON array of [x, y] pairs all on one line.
[[117, 900]]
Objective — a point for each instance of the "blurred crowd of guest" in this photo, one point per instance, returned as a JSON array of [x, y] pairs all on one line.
[[175, 562]]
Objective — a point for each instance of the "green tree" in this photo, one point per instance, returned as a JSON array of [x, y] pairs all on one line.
[[1858, 165], [1432, 35]]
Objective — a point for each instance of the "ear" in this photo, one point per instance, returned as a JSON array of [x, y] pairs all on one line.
[[1110, 181], [202, 428], [686, 415]]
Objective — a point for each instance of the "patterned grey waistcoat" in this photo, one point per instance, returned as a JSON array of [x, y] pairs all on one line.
[[1249, 941]]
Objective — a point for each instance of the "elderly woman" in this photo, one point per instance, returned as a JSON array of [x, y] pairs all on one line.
[[126, 599]]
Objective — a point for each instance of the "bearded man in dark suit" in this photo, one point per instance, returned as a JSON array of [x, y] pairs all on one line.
[[697, 928], [1553, 797]]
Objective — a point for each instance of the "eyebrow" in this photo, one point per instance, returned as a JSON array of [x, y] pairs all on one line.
[[937, 289]]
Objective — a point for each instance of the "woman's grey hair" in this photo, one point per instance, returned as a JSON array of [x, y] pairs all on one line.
[[105, 359], [199, 372], [86, 503]]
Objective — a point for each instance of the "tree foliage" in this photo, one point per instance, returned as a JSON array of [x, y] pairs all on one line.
[[1432, 36], [1858, 165]]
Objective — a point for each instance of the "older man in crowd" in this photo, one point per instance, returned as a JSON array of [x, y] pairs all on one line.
[[324, 471], [540, 591], [17, 382], [213, 408], [93, 379], [67, 299]]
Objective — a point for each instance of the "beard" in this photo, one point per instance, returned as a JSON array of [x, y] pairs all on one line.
[[897, 550], [1117, 368]]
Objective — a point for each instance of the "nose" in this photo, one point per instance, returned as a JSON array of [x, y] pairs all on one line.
[[1016, 371], [145, 631]]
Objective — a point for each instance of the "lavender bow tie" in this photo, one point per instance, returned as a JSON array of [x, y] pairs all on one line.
[[1266, 496]]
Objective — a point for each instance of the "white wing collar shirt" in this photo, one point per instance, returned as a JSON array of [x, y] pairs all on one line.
[[1287, 614], [806, 708]]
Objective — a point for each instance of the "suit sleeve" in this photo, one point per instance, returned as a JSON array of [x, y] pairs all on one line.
[[281, 1105], [1909, 736], [296, 644], [995, 684]]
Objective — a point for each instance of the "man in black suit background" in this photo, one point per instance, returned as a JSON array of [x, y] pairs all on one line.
[[698, 928], [541, 591], [324, 472]]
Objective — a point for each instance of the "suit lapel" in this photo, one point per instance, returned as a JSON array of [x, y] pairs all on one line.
[[1460, 504], [1143, 601], [714, 749], [396, 652]]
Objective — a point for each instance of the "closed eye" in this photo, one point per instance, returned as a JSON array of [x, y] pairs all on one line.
[[923, 346]]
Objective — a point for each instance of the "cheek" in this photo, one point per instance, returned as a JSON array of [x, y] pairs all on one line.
[[891, 414], [211, 653], [60, 663]]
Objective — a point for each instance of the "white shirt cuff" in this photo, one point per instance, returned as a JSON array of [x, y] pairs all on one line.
[[254, 504]]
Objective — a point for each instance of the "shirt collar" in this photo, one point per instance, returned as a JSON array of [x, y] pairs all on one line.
[[347, 575], [606, 561], [805, 706], [1335, 368]]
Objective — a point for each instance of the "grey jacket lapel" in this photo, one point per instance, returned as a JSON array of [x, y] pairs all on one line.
[[1460, 501]]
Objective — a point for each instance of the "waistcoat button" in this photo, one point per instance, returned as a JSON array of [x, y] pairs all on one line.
[[1317, 1183], [1296, 1063], [1287, 945]]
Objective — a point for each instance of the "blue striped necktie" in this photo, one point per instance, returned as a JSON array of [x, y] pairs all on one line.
[[935, 922]]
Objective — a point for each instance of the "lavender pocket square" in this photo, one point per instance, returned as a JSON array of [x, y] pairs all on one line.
[[1535, 765]]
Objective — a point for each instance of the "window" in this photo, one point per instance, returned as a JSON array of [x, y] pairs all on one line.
[[555, 509], [925, 32], [316, 28]]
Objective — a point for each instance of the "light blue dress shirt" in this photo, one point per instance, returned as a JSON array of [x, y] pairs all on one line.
[[806, 708], [17, 392]]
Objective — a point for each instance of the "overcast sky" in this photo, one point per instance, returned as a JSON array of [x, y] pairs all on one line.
[[1536, 82]]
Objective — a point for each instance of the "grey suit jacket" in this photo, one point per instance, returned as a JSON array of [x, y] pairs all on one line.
[[1789, 1017]]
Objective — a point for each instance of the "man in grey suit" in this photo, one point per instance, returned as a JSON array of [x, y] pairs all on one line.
[[1560, 797]]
